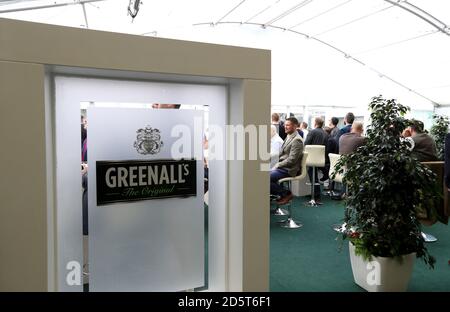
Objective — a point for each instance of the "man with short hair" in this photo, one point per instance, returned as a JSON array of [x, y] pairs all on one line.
[[348, 121], [349, 142], [289, 164], [424, 145], [333, 126], [304, 128], [317, 136], [279, 124]]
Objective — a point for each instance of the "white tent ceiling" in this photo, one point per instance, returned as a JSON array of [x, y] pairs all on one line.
[[324, 52]]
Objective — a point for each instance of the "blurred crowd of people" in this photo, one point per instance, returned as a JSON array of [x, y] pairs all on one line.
[[289, 138]]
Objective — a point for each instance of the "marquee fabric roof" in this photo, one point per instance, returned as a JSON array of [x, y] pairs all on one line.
[[334, 53]]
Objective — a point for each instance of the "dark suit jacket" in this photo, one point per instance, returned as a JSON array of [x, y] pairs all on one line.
[[331, 147], [344, 130], [424, 147], [318, 136], [291, 154]]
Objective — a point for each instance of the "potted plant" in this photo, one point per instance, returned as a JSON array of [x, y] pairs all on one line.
[[385, 187], [438, 131]]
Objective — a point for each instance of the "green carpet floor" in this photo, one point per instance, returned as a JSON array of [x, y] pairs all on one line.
[[310, 258]]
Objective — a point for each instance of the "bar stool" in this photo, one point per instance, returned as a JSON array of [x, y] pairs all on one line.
[[278, 211], [316, 159], [289, 222], [428, 238], [334, 158]]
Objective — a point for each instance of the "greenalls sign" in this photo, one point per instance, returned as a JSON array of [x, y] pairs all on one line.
[[133, 180]]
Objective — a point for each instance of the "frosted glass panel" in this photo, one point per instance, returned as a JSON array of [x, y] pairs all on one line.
[[73, 93], [146, 245]]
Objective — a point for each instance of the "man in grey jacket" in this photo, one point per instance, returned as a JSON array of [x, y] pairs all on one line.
[[289, 164]]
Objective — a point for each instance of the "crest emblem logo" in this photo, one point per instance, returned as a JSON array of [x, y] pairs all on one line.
[[148, 141]]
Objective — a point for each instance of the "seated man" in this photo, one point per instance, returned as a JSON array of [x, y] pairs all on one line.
[[424, 145], [289, 164]]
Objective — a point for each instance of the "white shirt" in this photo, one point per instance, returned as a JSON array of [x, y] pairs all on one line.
[[275, 144], [275, 148]]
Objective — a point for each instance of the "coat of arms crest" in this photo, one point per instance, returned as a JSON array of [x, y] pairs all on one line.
[[148, 141]]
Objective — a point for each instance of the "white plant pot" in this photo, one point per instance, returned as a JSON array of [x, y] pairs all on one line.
[[382, 274]]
